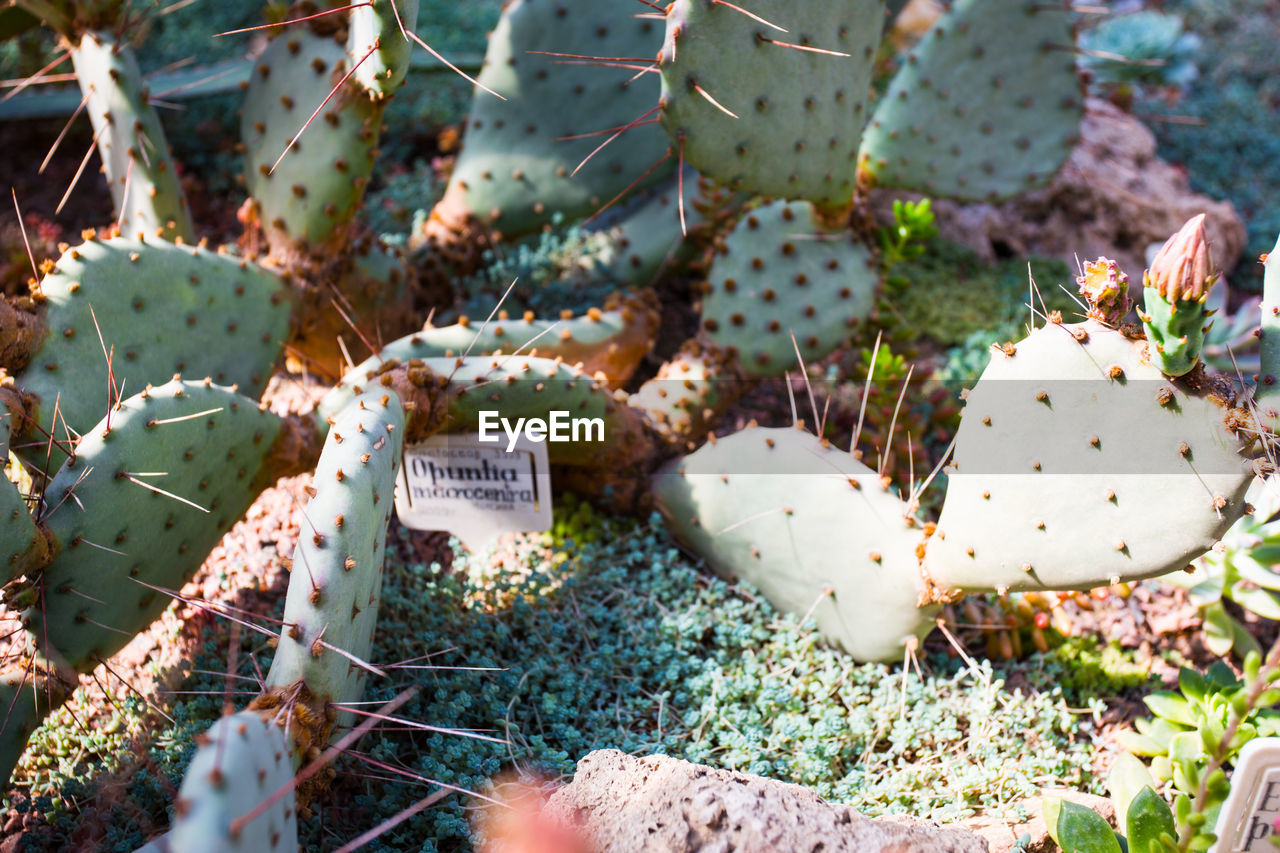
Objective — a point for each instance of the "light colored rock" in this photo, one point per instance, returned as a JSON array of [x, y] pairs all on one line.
[[623, 804], [1114, 197]]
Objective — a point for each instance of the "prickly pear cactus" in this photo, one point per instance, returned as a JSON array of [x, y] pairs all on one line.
[[151, 490], [818, 533], [1078, 462], [379, 45], [157, 309], [516, 169], [306, 195], [643, 232], [783, 272], [611, 341], [698, 383], [988, 104], [23, 547], [772, 108], [242, 762], [135, 156], [336, 578]]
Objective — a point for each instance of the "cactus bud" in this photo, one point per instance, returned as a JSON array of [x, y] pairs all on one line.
[[1182, 271], [1106, 288], [1174, 293]]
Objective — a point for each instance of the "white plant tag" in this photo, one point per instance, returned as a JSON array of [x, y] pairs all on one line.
[[475, 490], [1247, 820]]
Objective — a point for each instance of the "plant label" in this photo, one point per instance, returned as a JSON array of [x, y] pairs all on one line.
[[475, 489], [1247, 821]]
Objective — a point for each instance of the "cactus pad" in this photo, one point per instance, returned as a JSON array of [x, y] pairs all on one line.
[[135, 155], [317, 186], [242, 761], [780, 272], [987, 106], [763, 117], [336, 575], [1078, 462], [375, 31], [515, 169], [161, 309], [203, 443], [639, 235], [611, 341], [23, 548], [697, 384], [813, 529]]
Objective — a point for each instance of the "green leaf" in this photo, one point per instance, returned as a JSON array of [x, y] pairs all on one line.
[[1171, 706], [1082, 830], [1244, 641], [1259, 601], [1249, 568], [1219, 629], [1139, 744], [1192, 684], [1267, 725], [1221, 676], [1185, 747], [1146, 819], [1051, 810], [1128, 776]]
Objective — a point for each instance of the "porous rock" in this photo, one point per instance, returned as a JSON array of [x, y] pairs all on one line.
[[1114, 197], [624, 804]]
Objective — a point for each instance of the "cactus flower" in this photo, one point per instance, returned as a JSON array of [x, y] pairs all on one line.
[[1106, 288]]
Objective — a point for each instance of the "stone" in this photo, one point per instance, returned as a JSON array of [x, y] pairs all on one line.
[[1114, 197], [623, 804]]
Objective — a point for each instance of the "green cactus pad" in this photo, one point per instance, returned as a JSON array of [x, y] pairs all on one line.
[[135, 156], [1077, 462], [764, 118], [534, 387], [375, 31], [198, 441], [515, 170], [810, 527], [780, 272], [1269, 378], [25, 707], [242, 761], [637, 237], [336, 575], [987, 106], [23, 547], [690, 390], [611, 341], [317, 186], [162, 309]]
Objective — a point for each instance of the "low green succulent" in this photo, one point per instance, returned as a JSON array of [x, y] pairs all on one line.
[[1198, 731], [1239, 570], [1146, 48], [1146, 819]]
